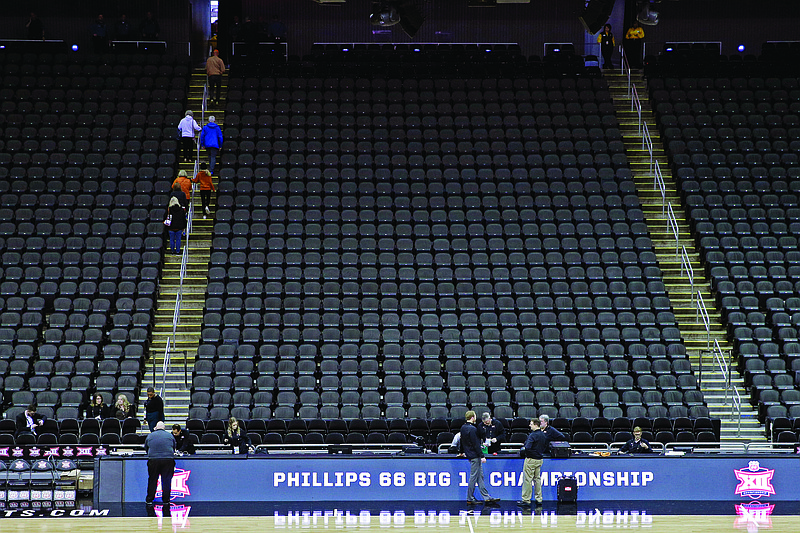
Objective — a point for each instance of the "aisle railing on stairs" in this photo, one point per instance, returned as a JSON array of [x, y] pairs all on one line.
[[702, 315], [686, 266], [736, 399], [164, 369], [636, 105], [672, 226], [659, 185], [626, 69], [176, 316]]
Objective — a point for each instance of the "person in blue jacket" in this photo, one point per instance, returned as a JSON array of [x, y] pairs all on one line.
[[533, 452], [211, 140], [471, 448]]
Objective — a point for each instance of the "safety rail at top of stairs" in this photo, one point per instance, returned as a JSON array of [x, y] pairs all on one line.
[[636, 105]]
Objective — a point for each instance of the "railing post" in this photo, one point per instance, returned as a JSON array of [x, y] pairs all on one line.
[[700, 369]]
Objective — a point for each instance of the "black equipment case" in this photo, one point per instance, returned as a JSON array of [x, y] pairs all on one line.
[[567, 490], [560, 450]]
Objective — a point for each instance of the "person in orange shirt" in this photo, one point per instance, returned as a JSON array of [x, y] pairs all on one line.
[[186, 186], [206, 186]]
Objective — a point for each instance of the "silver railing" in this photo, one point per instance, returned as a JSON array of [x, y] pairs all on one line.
[[686, 266], [702, 316], [176, 316], [672, 226], [736, 399], [626, 69]]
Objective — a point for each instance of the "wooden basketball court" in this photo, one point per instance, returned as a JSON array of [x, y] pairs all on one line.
[[498, 520]]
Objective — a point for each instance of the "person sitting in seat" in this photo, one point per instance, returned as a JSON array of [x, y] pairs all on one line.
[[637, 444]]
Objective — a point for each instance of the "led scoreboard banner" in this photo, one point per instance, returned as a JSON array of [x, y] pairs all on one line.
[[756, 480]]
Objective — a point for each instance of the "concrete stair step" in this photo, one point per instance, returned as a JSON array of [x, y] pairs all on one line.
[[191, 289], [183, 327]]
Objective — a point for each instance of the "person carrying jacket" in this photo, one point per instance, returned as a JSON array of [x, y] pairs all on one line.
[[211, 140]]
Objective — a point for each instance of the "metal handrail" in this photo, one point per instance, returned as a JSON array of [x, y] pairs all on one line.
[[686, 265], [672, 225], [663, 43], [636, 105], [647, 143], [660, 185], [626, 69], [702, 314], [176, 315], [163, 370], [736, 399]]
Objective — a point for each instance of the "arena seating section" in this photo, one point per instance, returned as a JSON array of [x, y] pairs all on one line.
[[395, 242], [87, 157], [734, 140], [397, 249]]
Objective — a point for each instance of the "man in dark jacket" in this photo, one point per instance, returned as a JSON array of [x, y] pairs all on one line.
[[637, 444], [535, 447], [160, 448], [550, 432], [183, 441], [154, 407], [471, 448], [491, 432], [29, 421]]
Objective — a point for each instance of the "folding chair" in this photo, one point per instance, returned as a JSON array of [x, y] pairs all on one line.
[[18, 483], [66, 482], [42, 483]]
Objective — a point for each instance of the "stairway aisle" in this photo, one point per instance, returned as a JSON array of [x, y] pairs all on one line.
[[677, 284], [187, 337]]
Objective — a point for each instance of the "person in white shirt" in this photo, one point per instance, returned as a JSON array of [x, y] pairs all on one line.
[[187, 129]]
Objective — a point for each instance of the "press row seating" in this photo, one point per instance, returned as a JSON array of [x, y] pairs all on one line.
[[429, 430]]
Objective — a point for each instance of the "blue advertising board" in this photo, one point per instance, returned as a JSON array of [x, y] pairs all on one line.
[[437, 478]]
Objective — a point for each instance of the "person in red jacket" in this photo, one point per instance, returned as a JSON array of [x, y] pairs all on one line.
[[206, 186], [186, 186]]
